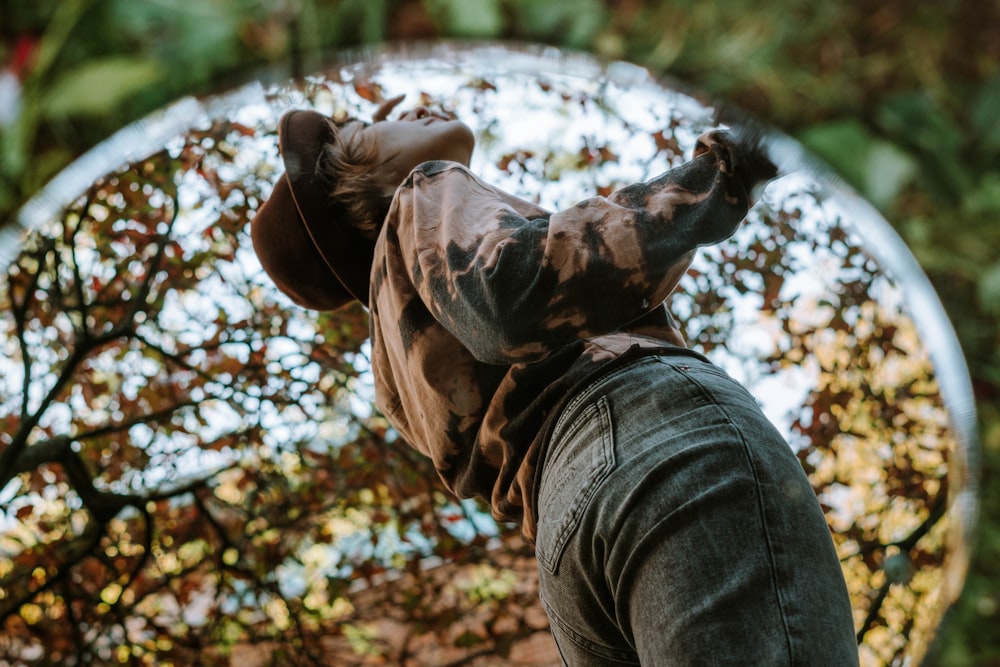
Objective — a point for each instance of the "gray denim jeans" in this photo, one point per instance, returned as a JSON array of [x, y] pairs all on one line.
[[676, 527]]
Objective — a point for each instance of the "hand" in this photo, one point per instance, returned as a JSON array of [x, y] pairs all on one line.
[[742, 155], [386, 108]]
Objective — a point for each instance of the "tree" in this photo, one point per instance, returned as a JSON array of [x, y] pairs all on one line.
[[191, 466]]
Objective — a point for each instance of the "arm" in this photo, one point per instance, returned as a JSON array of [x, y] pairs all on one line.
[[513, 286]]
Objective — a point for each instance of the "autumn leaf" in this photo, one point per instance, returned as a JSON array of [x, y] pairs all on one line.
[[368, 89]]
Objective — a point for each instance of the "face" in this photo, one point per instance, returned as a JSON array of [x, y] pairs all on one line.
[[418, 135]]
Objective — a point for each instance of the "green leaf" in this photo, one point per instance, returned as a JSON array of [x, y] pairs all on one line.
[[916, 119], [99, 86], [843, 144], [989, 289], [985, 112], [887, 171], [573, 24], [470, 18], [984, 199], [877, 168]]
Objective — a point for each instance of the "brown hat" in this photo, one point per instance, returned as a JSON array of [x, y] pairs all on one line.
[[301, 237]]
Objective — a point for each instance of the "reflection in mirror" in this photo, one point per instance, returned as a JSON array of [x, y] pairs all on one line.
[[191, 467]]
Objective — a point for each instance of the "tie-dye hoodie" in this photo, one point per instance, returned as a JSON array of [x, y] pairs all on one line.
[[487, 311]]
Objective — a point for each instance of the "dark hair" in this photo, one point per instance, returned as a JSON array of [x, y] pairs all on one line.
[[347, 164]]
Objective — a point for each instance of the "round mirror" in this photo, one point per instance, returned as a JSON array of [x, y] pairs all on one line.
[[191, 466]]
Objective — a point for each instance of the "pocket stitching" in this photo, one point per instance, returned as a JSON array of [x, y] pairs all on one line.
[[570, 520]]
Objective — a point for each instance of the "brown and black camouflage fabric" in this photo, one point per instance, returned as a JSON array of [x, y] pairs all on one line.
[[487, 311]]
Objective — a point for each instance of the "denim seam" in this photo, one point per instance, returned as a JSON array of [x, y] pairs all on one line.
[[685, 369], [605, 652], [569, 521], [587, 391]]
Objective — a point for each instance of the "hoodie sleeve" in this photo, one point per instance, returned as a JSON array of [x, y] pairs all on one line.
[[513, 282]]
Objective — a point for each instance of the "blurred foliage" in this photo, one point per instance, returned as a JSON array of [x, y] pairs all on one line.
[[181, 448], [901, 96]]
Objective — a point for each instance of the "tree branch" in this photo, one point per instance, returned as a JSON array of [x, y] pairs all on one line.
[[121, 426], [873, 611], [102, 504], [81, 300], [905, 546], [20, 311], [13, 452], [69, 553], [86, 343], [141, 297], [937, 511]]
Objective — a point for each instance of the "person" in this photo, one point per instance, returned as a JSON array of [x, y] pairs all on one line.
[[529, 354]]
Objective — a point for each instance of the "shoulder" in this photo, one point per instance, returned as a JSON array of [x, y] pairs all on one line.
[[435, 183], [438, 169], [452, 186]]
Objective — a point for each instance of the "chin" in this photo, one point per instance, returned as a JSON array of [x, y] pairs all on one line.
[[464, 141]]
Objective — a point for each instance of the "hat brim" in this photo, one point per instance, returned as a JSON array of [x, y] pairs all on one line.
[[289, 256], [302, 136]]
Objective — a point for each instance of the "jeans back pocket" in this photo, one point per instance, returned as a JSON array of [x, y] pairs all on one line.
[[580, 457]]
